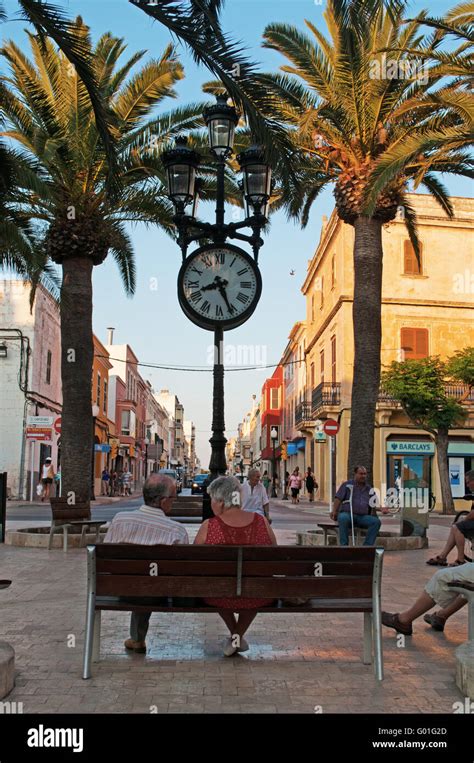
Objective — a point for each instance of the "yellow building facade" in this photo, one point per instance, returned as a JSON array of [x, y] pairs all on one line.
[[428, 309]]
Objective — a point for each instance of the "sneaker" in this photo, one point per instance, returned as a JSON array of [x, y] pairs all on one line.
[[229, 648], [244, 647], [392, 621], [135, 646], [437, 623]]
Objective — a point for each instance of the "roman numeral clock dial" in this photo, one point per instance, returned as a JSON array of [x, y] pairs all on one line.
[[219, 285]]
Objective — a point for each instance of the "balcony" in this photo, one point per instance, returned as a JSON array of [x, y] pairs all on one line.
[[303, 415], [325, 395], [458, 391]]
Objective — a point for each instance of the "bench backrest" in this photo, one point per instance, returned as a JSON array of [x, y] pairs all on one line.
[[250, 571]]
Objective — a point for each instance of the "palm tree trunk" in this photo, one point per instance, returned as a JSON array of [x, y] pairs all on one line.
[[77, 351], [442, 442], [367, 324]]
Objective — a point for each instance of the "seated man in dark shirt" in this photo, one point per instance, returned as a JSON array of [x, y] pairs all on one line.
[[364, 500]]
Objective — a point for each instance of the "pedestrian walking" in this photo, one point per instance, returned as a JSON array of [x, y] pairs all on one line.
[[295, 485], [47, 477], [286, 486], [104, 481], [254, 495], [311, 484], [266, 481], [113, 483], [127, 482], [120, 483]]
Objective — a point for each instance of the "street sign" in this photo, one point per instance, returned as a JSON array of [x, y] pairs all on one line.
[[38, 433], [57, 425], [39, 421], [331, 427]]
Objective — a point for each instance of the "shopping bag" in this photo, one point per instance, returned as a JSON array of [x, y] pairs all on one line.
[[39, 489]]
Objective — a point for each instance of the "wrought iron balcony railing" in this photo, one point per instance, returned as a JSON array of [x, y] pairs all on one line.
[[303, 413], [325, 394]]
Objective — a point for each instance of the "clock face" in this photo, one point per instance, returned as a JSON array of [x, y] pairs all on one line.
[[219, 285]]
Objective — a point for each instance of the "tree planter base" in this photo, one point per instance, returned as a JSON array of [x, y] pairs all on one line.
[[7, 669]]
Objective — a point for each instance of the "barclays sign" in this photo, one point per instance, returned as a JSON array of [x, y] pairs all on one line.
[[410, 447]]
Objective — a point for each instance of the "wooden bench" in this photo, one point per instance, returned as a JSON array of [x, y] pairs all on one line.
[[329, 579], [65, 519]]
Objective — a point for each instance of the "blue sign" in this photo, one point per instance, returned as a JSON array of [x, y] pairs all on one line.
[[102, 448]]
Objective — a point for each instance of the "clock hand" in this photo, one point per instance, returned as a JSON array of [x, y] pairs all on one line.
[[223, 294], [209, 287]]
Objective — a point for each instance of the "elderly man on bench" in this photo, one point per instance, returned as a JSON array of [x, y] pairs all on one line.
[[148, 526]]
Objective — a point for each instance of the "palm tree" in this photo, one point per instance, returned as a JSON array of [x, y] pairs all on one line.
[[49, 20], [64, 190], [369, 136]]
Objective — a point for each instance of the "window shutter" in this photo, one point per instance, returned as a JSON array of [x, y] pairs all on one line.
[[415, 343], [411, 266]]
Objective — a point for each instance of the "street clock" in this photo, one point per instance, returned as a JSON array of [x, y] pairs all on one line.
[[219, 286]]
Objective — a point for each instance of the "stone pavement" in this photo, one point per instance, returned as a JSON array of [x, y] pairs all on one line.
[[295, 663]]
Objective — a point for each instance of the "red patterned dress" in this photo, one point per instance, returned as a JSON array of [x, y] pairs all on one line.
[[253, 534]]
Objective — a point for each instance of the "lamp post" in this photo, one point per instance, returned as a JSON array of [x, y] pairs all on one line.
[[251, 457], [95, 413], [273, 436], [230, 298]]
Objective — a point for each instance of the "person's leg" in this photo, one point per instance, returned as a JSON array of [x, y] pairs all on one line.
[[139, 622], [421, 605], [344, 519], [446, 612], [245, 620], [450, 544], [371, 524], [229, 618], [460, 541]]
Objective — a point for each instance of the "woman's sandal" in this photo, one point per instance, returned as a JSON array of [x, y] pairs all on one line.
[[437, 561], [457, 563]]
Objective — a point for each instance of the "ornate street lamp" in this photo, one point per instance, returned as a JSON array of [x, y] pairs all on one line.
[[273, 437], [257, 180], [219, 284], [181, 164], [221, 121]]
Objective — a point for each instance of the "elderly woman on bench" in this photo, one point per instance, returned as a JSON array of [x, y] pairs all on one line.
[[231, 526]]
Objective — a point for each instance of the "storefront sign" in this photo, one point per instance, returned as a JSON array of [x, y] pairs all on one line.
[[320, 437], [102, 448], [415, 448], [456, 477]]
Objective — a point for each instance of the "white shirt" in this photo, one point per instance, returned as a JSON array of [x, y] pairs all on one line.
[[254, 500], [148, 526], [47, 471]]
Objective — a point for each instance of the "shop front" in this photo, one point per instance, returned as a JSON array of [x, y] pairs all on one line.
[[410, 468]]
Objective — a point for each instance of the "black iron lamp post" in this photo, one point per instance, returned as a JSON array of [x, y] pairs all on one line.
[[273, 437], [219, 284], [95, 413]]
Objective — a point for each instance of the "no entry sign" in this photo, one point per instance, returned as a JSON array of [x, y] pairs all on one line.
[[331, 427], [57, 425]]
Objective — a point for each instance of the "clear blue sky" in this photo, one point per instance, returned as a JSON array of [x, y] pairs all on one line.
[[152, 322]]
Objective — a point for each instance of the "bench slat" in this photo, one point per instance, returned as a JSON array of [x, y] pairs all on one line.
[[265, 569], [263, 587], [229, 553], [316, 605]]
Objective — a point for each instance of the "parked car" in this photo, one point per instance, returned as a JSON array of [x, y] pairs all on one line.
[[175, 476], [198, 482]]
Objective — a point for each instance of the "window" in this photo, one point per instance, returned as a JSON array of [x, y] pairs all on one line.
[[49, 357], [333, 359], [105, 396], [321, 303], [411, 266], [274, 397], [312, 308], [126, 423], [414, 343], [98, 390], [321, 356], [312, 375], [333, 271]]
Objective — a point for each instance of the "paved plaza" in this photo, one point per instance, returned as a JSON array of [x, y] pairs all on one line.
[[296, 664]]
